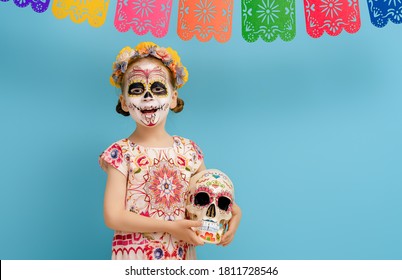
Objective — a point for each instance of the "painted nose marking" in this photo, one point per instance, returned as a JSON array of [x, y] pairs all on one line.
[[148, 95]]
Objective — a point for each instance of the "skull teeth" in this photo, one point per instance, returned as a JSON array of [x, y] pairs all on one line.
[[149, 109], [210, 226]]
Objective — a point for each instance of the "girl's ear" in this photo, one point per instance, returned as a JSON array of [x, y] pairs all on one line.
[[173, 104], [123, 103]]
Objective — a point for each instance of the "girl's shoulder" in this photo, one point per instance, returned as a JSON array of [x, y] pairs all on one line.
[[182, 141], [187, 145], [121, 145], [116, 155], [122, 142]]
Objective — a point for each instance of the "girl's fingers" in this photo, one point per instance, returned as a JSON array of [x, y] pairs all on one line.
[[227, 238], [196, 240], [192, 224]]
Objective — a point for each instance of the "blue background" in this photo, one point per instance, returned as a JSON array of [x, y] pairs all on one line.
[[309, 131]]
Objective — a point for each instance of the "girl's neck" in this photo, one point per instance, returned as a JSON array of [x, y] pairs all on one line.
[[151, 137]]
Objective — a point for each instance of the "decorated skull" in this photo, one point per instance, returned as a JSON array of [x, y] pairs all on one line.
[[210, 200]]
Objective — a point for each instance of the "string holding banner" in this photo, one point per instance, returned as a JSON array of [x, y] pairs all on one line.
[[268, 19], [331, 16], [38, 6], [383, 11], [205, 19], [143, 16]]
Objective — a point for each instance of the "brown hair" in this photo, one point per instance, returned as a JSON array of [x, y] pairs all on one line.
[[120, 110], [179, 107]]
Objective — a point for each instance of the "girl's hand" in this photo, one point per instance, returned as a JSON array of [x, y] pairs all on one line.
[[233, 225], [182, 230]]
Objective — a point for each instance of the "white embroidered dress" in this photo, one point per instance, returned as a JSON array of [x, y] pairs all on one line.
[[157, 185]]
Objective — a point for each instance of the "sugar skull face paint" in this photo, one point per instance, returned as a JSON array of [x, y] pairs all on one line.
[[148, 92]]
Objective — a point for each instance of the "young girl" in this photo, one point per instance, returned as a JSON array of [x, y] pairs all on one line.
[[148, 173]]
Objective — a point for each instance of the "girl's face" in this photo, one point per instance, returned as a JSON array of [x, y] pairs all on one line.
[[148, 92]]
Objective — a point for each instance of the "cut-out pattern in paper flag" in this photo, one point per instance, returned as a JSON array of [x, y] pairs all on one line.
[[38, 6], [204, 19], [80, 10], [383, 10], [268, 19], [331, 16], [143, 16]]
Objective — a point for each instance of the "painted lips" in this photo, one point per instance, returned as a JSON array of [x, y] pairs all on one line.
[[150, 119], [150, 115], [150, 111]]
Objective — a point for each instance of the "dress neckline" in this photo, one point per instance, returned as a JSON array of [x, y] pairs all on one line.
[[174, 138]]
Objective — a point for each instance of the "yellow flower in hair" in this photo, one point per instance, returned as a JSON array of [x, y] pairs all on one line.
[[174, 55], [168, 56], [112, 82], [125, 54], [185, 77], [143, 48]]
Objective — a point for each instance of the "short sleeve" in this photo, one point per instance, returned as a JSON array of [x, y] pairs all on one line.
[[114, 156], [198, 156]]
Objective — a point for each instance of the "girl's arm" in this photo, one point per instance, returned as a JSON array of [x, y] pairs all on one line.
[[118, 218]]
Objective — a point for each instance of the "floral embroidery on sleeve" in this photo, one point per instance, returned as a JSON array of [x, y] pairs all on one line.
[[115, 156], [197, 149]]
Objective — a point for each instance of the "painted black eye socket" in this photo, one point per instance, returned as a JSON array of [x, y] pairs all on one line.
[[158, 88], [224, 203], [136, 89], [201, 199]]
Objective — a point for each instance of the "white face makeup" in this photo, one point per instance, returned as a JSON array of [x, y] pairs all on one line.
[[148, 92]]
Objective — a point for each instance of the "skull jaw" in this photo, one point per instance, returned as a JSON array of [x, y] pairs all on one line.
[[211, 230]]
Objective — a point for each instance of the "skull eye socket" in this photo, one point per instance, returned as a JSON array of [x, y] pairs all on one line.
[[201, 199], [224, 203]]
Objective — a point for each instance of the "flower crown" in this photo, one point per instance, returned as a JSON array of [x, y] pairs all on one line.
[[168, 56]]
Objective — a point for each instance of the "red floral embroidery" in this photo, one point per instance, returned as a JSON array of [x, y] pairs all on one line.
[[166, 186], [181, 161], [156, 251], [142, 161], [180, 251], [114, 156], [197, 149]]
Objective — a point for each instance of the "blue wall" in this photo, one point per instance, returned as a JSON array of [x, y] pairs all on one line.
[[309, 131]]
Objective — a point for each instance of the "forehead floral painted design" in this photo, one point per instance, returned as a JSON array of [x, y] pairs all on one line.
[[167, 56]]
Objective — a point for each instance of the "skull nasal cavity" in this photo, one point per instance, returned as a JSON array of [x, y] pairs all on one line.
[[211, 211], [148, 95]]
